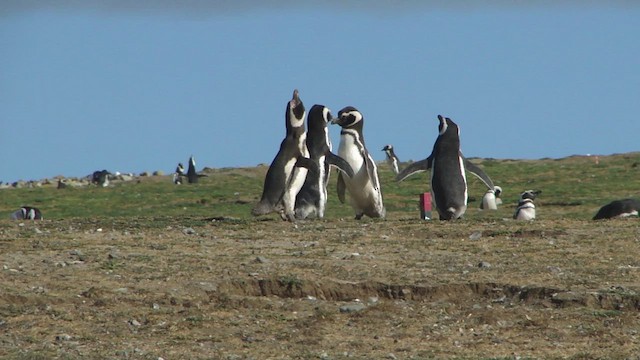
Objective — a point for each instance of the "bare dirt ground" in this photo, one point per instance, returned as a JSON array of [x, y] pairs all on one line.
[[396, 289]]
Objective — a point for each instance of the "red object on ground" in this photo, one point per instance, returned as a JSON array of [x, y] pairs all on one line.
[[425, 206]]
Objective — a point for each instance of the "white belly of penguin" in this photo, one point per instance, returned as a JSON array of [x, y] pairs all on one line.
[[295, 175], [322, 186], [360, 186]]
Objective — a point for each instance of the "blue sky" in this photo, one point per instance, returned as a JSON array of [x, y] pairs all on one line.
[[140, 86]]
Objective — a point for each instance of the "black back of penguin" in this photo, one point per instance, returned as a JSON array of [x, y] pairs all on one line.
[[277, 177], [318, 143], [448, 180]]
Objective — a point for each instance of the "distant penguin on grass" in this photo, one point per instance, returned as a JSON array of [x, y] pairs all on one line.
[[27, 213], [491, 199], [392, 159], [312, 198], [178, 174], [618, 209], [526, 210], [289, 168], [448, 172], [192, 175], [100, 178], [364, 187]]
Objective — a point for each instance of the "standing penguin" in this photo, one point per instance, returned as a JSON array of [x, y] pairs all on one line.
[[392, 159], [491, 199], [288, 169], [312, 198], [364, 186], [526, 210], [192, 175], [618, 209], [448, 178], [178, 174]]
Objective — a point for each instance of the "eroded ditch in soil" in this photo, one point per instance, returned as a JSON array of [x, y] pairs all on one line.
[[336, 290]]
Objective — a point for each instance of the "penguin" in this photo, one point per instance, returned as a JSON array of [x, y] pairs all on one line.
[[289, 168], [178, 174], [312, 198], [392, 159], [364, 187], [192, 175], [491, 199], [526, 210], [27, 213], [448, 165], [618, 209], [100, 178]]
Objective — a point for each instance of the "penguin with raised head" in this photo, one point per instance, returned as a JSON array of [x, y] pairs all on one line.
[[619, 209], [312, 198], [364, 187], [289, 168], [491, 199], [192, 175], [27, 213], [526, 210], [448, 166], [392, 159]]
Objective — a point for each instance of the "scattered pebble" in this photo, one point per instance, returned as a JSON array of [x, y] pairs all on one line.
[[261, 260], [188, 231], [484, 265], [352, 308], [475, 236]]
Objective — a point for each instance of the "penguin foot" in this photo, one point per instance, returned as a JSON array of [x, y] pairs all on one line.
[[359, 216]]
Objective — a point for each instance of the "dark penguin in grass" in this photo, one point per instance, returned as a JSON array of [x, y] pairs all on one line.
[[100, 178], [27, 213], [192, 175], [312, 198], [526, 210], [392, 159], [364, 187], [289, 168], [448, 167], [618, 209]]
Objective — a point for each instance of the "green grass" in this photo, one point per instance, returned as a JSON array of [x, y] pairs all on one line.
[[573, 187]]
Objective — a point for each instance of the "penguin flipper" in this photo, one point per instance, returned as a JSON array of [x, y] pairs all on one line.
[[370, 166], [340, 163], [308, 164], [418, 166], [478, 172], [341, 187]]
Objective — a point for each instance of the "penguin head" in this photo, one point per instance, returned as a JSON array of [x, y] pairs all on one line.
[[192, 161], [497, 190], [321, 114], [348, 117], [295, 111], [387, 148], [447, 125], [530, 194]]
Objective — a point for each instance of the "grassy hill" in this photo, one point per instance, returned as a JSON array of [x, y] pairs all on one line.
[[573, 188], [139, 270]]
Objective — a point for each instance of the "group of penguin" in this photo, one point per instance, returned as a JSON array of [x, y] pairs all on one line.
[[525, 210], [296, 182], [295, 185], [191, 174]]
